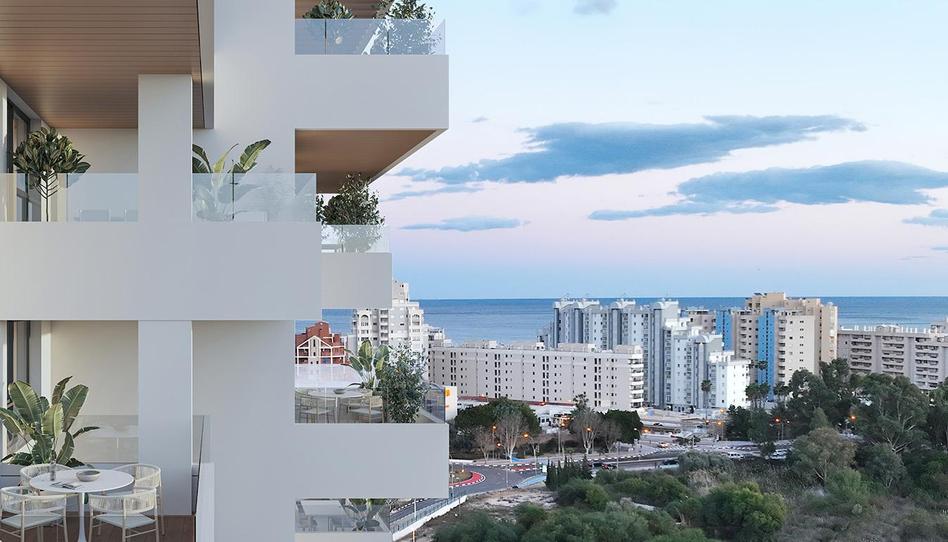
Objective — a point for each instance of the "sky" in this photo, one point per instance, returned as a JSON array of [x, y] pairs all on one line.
[[681, 148]]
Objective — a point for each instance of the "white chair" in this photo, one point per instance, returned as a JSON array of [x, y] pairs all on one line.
[[28, 472], [127, 511], [148, 477], [28, 510], [311, 408]]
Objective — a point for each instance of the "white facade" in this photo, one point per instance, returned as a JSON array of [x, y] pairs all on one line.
[[921, 355], [166, 317], [533, 373], [729, 377], [402, 323]]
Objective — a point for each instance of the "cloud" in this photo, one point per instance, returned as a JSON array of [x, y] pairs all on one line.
[[591, 150], [941, 249], [469, 224], [479, 119], [938, 217], [587, 7], [449, 189], [894, 183]]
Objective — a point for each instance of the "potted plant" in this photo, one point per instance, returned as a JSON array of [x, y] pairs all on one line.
[[329, 9], [354, 205], [408, 28], [218, 189], [45, 424], [42, 157], [401, 383], [368, 362], [366, 514]]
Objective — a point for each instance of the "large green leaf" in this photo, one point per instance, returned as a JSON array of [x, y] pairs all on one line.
[[248, 159], [65, 454], [25, 401], [200, 163], [43, 449], [72, 403], [53, 420], [218, 166], [59, 389], [13, 422], [85, 429]]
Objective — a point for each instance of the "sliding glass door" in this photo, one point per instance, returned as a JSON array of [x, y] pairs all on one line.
[[27, 201]]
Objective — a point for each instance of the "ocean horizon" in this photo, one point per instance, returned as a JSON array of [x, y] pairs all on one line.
[[509, 320]]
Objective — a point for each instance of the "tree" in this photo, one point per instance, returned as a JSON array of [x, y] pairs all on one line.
[[630, 426], [609, 433], [821, 451], [510, 429], [484, 441], [486, 415], [833, 390], [705, 390], [354, 204], [819, 419], [756, 393], [938, 415], [881, 464], [42, 157], [586, 424], [738, 512], [892, 411], [848, 490], [738, 423], [402, 385]]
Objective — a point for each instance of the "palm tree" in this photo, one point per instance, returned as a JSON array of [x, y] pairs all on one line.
[[706, 388]]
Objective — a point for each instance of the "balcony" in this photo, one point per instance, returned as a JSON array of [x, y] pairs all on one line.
[[369, 37], [86, 197], [254, 197]]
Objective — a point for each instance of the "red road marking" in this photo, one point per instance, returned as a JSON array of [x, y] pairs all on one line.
[[475, 478]]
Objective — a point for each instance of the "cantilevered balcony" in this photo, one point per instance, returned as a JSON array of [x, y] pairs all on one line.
[[369, 37]]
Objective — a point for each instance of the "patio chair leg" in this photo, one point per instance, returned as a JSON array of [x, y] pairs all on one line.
[[41, 529], [161, 511]]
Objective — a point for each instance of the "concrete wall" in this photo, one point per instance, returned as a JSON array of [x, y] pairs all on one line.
[[108, 151], [356, 280], [102, 355], [171, 271]]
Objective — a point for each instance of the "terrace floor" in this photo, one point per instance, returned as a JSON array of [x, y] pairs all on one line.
[[177, 529]]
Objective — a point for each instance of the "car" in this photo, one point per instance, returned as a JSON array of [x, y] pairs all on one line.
[[734, 455], [663, 445], [779, 455], [608, 466], [670, 462]]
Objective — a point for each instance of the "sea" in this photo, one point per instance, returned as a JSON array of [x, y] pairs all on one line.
[[513, 320]]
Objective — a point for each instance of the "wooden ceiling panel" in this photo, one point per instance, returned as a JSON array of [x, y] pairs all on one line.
[[331, 154], [77, 63], [362, 9]]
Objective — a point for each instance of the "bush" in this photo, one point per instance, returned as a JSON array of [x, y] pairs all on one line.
[[684, 535], [737, 512], [692, 461], [922, 525], [881, 464], [562, 473], [653, 488], [478, 527], [571, 526], [529, 514], [928, 472], [584, 492], [848, 491]]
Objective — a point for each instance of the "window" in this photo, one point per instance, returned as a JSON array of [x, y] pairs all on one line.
[[18, 126]]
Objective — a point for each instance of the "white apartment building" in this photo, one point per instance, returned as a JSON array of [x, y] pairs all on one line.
[[921, 355], [534, 373], [401, 323], [181, 321], [729, 377]]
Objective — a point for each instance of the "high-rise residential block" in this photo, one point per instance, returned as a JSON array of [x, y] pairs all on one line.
[[173, 293], [921, 355], [402, 323]]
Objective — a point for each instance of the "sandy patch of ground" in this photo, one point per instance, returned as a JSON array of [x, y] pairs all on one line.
[[499, 504]]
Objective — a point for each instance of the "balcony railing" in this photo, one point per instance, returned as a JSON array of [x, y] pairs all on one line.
[[254, 197], [343, 516], [86, 197], [369, 37], [353, 238]]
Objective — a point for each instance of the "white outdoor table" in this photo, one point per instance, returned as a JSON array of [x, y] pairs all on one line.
[[109, 480], [331, 394]]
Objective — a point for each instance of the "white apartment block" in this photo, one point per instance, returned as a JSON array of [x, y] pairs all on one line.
[[181, 323], [921, 355], [533, 373], [729, 377], [400, 324]]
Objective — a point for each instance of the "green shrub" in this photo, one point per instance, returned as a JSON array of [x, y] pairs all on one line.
[[692, 461], [584, 492], [848, 491], [737, 512], [652, 488], [529, 514], [478, 527]]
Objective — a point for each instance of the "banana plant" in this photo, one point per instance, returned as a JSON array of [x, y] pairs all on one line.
[[366, 514], [329, 9], [218, 189], [43, 424], [368, 362]]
